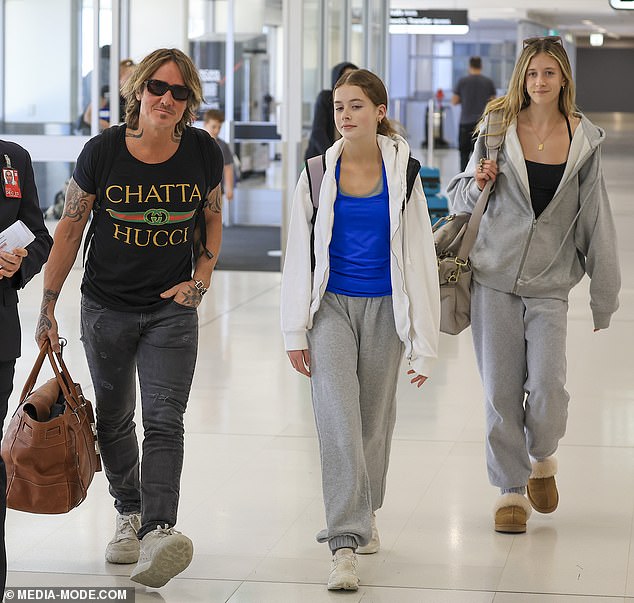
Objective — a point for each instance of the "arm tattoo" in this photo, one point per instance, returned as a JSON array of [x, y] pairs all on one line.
[[76, 202], [48, 296], [214, 200], [44, 323]]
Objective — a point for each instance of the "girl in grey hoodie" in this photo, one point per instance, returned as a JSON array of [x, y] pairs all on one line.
[[548, 222]]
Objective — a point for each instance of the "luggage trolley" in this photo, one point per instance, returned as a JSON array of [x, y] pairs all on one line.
[[436, 202]]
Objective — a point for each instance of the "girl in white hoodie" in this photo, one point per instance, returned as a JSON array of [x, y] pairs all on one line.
[[373, 295]]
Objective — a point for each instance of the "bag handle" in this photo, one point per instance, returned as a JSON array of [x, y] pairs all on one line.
[[35, 371], [65, 381], [493, 142]]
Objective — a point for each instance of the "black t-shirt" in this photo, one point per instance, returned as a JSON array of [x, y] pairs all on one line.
[[145, 228], [474, 91]]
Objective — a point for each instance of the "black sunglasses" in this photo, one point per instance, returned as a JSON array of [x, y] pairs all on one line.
[[553, 39], [159, 88]]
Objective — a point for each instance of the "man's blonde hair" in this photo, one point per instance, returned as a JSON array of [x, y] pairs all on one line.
[[144, 72]]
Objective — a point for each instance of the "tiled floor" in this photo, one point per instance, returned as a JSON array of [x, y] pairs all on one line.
[[251, 484]]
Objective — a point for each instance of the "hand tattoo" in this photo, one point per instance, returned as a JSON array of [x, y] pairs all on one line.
[[192, 297], [44, 325]]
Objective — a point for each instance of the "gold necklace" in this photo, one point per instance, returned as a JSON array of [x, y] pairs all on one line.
[[540, 146]]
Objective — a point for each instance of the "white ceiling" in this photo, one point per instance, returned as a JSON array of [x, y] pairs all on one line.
[[564, 15]]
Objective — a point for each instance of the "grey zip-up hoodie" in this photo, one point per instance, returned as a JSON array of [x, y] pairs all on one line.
[[545, 256]]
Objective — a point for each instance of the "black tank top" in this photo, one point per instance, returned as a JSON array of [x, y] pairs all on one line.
[[543, 180]]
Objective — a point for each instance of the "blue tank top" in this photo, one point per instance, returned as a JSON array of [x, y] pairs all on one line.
[[360, 245]]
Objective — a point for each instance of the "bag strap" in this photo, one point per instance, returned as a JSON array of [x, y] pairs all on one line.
[[105, 159], [35, 371], [315, 170], [493, 141], [413, 170], [65, 381], [204, 147]]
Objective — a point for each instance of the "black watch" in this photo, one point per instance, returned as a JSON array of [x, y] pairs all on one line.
[[200, 287]]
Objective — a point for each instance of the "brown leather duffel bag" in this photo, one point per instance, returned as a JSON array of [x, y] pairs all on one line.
[[50, 447]]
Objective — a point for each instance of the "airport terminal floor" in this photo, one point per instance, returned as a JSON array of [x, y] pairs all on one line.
[[251, 490]]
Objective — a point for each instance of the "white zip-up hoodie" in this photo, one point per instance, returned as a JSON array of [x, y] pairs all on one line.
[[413, 267]]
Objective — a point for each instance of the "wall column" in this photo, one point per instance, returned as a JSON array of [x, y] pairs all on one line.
[[291, 117]]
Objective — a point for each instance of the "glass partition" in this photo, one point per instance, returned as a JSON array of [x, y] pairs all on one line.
[[42, 81], [49, 83], [336, 21], [313, 68]]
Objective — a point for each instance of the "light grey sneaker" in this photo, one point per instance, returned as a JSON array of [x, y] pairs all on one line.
[[124, 547], [343, 571], [375, 543], [164, 554]]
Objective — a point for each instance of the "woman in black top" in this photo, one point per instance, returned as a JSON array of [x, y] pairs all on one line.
[[548, 223]]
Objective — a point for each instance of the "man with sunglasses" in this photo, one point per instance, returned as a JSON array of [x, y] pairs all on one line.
[[154, 187]]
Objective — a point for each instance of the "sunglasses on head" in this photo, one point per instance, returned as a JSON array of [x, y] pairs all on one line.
[[159, 88], [531, 41]]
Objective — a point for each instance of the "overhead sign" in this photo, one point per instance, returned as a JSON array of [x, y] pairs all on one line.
[[417, 21], [622, 4]]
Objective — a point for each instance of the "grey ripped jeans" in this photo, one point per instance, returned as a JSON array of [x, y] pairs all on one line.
[[160, 346]]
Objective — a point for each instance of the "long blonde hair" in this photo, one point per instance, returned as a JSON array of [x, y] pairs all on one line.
[[374, 89], [144, 71], [517, 97]]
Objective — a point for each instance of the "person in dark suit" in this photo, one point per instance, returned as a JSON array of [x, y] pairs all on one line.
[[324, 133], [17, 267]]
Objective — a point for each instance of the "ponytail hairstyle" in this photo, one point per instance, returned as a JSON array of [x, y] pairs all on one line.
[[374, 89]]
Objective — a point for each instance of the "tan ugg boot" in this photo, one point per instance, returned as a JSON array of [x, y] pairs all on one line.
[[542, 489], [511, 513]]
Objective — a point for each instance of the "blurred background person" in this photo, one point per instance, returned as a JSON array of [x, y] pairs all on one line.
[[472, 92], [213, 120], [323, 132], [126, 67]]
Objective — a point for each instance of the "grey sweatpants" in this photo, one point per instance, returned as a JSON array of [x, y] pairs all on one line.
[[520, 346], [355, 354]]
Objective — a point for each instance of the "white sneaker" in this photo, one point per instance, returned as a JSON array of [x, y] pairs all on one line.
[[164, 554], [343, 571], [124, 547], [375, 543]]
